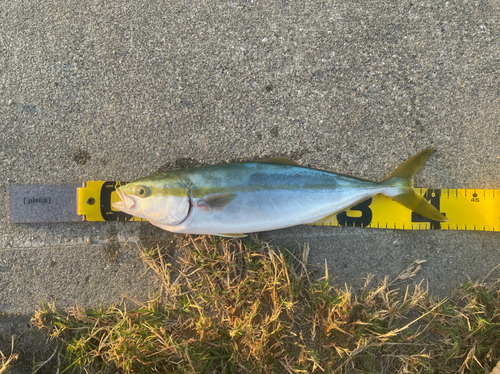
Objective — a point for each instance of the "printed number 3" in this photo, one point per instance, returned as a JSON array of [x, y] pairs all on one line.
[[363, 221]]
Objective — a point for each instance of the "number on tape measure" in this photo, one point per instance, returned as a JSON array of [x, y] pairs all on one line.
[[363, 220]]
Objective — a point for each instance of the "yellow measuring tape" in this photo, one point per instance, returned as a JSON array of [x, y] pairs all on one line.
[[467, 209], [94, 202]]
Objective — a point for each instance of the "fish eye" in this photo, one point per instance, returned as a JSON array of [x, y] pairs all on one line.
[[142, 191]]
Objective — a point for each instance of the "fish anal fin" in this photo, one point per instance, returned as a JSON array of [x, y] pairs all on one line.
[[326, 219], [160, 225], [277, 161], [231, 235], [329, 218], [216, 202]]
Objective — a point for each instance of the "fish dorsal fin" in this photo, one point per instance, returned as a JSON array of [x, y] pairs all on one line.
[[216, 202], [277, 161]]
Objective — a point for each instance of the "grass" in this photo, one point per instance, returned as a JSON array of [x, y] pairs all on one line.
[[242, 306], [7, 360]]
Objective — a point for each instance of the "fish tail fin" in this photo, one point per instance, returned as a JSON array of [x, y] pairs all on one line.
[[402, 180]]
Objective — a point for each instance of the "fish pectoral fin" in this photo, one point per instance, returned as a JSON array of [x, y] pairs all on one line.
[[277, 161], [231, 235], [217, 202]]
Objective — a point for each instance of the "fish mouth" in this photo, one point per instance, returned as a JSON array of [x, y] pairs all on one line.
[[127, 202]]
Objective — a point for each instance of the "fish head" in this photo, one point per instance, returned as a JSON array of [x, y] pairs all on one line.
[[164, 202]]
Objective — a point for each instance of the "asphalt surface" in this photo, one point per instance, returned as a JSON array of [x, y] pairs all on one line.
[[118, 90]]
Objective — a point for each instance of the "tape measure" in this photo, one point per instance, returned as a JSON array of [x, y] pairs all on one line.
[[94, 202], [467, 209]]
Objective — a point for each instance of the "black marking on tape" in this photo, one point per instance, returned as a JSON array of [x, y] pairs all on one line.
[[106, 211]]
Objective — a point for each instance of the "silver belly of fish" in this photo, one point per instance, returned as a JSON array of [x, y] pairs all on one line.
[[269, 210]]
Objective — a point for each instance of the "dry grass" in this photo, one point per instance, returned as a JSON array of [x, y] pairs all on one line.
[[233, 306], [6, 361]]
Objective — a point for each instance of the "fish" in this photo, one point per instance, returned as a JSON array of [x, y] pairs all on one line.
[[240, 198]]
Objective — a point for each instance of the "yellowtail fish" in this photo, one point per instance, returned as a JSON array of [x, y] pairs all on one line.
[[240, 198]]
